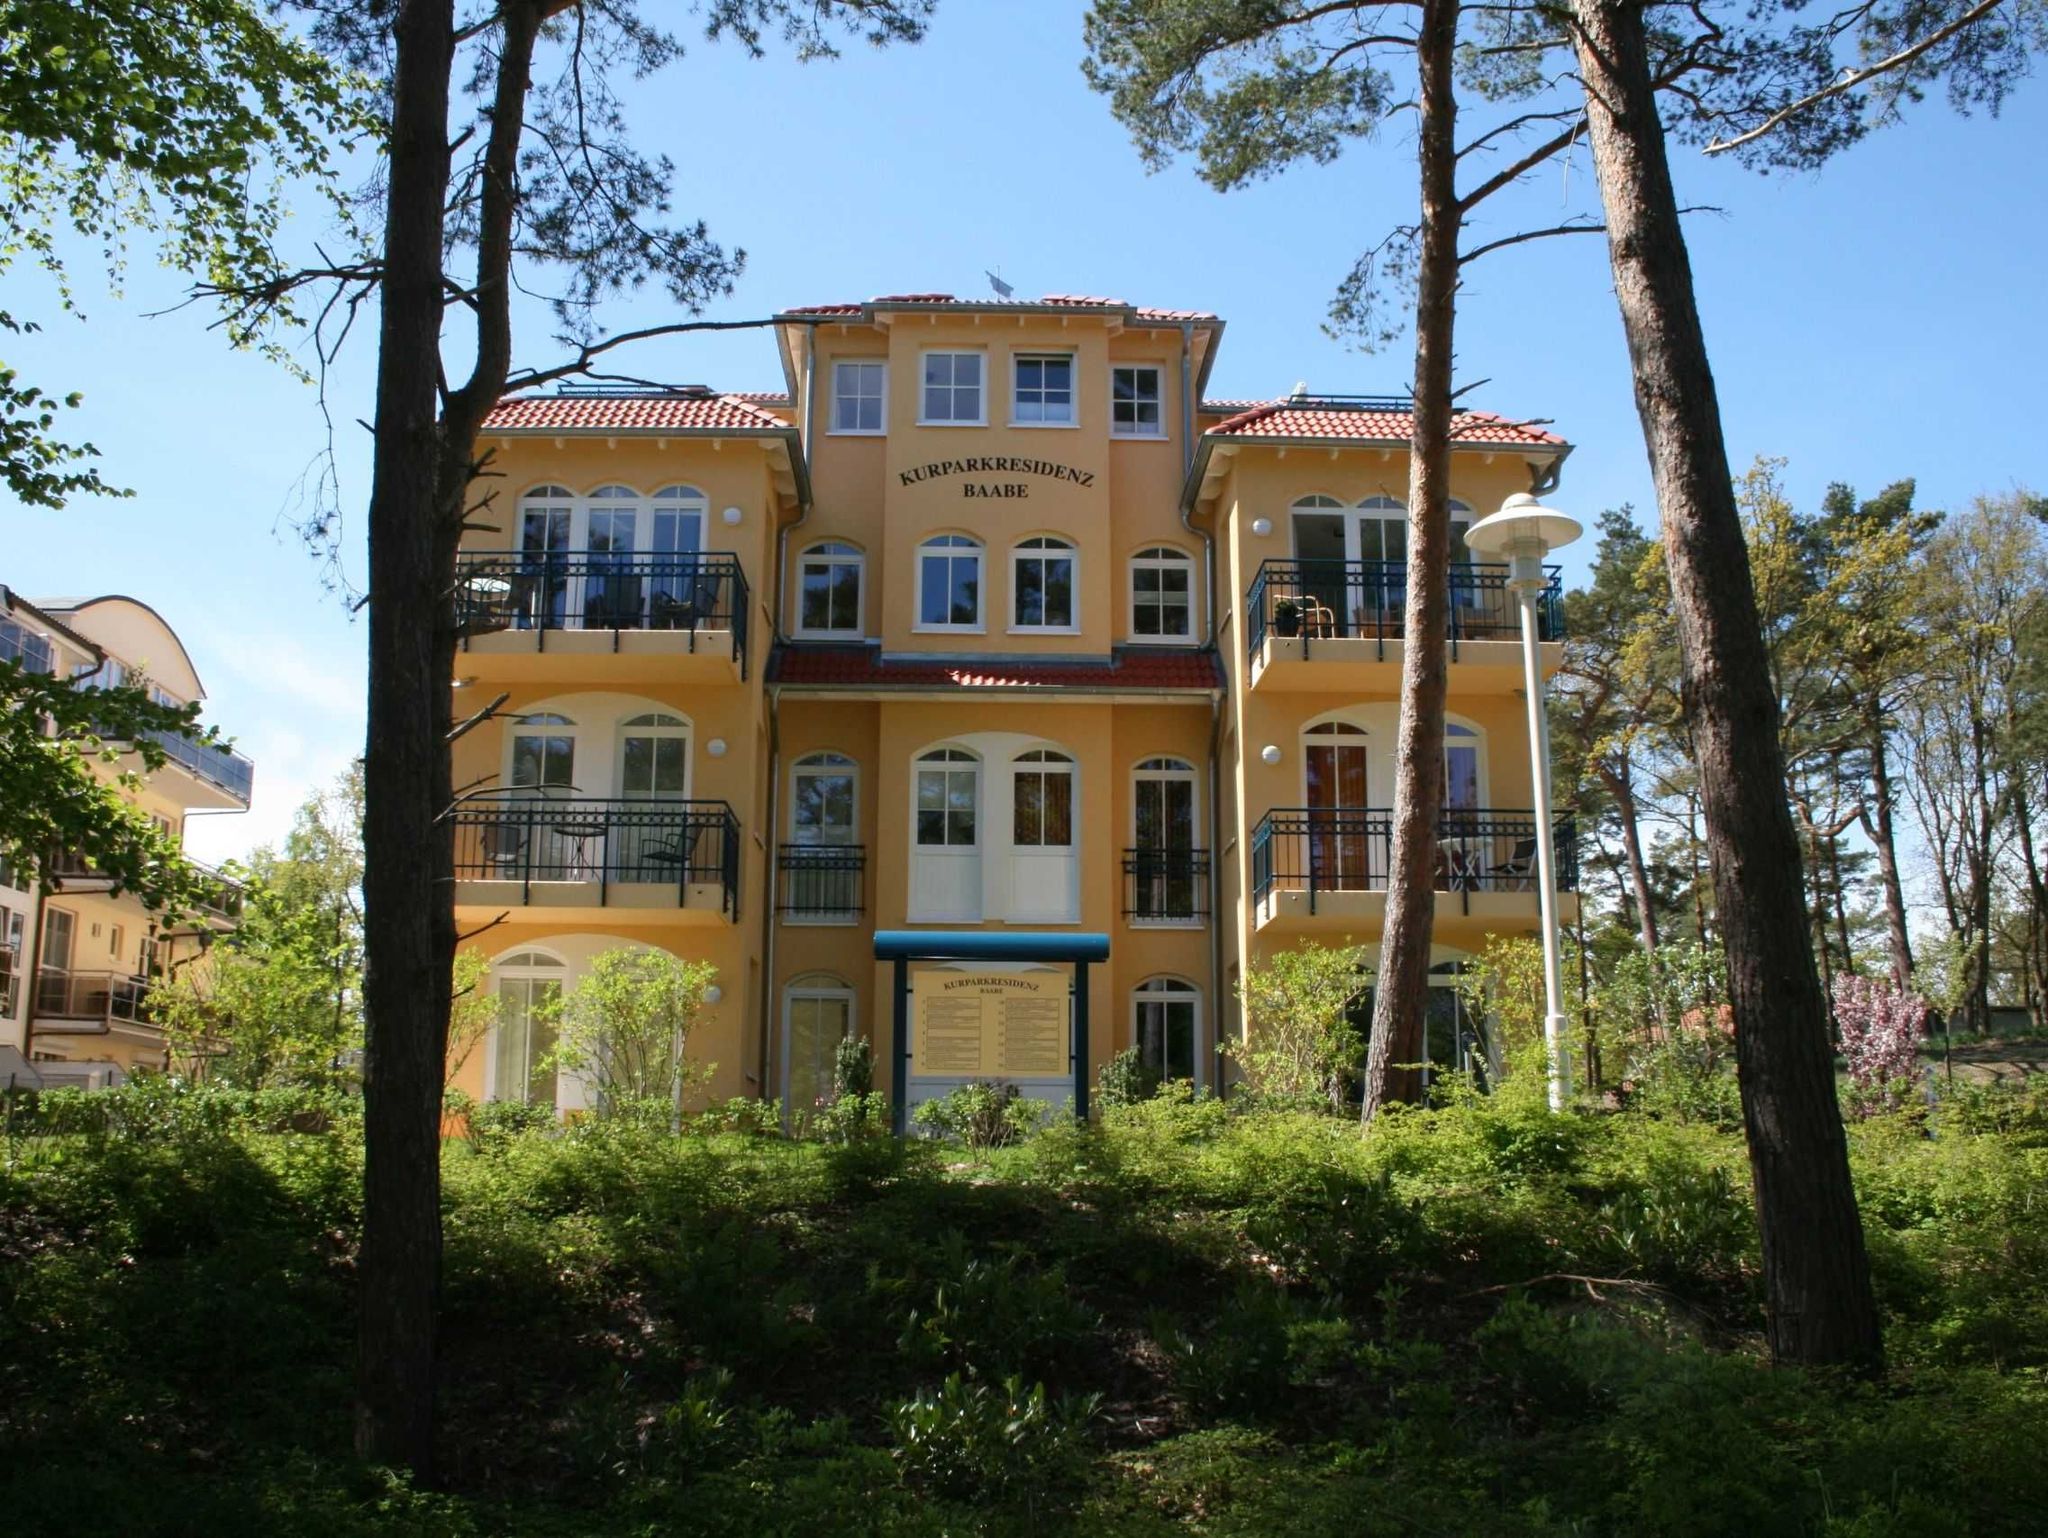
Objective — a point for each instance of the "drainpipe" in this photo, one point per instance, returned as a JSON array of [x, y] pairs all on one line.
[[1210, 1068], [1187, 463], [770, 994], [771, 1013], [29, 982]]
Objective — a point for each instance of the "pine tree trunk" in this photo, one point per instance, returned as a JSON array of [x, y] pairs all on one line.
[[1621, 786], [408, 856], [1401, 991], [1885, 841], [1816, 1274]]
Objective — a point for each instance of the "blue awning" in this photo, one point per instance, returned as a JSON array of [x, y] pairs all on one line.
[[982, 945]]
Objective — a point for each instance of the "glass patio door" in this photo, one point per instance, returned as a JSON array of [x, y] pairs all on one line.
[[675, 537], [654, 768], [1339, 849], [611, 592], [819, 1019], [1165, 813], [543, 567]]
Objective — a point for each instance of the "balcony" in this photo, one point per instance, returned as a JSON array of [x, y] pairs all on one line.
[[1166, 888], [219, 905], [222, 769], [88, 1003], [820, 883], [1310, 862], [652, 613], [1346, 618], [537, 851]]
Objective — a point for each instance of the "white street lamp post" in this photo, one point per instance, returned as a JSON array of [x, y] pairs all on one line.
[[1524, 531]]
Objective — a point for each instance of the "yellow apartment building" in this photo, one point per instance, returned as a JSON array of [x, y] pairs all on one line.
[[987, 692], [77, 959]]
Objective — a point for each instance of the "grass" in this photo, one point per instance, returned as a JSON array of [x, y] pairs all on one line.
[[1478, 1320]]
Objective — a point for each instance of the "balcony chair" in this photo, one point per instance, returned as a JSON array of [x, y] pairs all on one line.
[[1519, 867]]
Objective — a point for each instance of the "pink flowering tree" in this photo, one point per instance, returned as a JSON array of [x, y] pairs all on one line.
[[1880, 1028]]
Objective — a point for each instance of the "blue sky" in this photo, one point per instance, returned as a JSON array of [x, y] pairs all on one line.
[[1881, 319]]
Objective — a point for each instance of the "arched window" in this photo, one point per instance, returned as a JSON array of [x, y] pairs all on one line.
[[614, 524], [1316, 523], [1163, 804], [817, 1014], [1461, 520], [949, 583], [822, 801], [1345, 853], [1165, 1014], [654, 757], [543, 756], [1162, 595], [828, 590], [676, 521], [1382, 530], [948, 796], [1043, 808], [547, 515], [529, 987], [1042, 589]]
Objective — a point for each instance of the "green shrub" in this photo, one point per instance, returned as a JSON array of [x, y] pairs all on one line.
[[1125, 1080], [980, 1116], [743, 1114], [853, 1068], [996, 1312], [491, 1124], [972, 1442]]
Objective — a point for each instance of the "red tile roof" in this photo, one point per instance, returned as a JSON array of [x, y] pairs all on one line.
[[765, 397], [1228, 408], [1135, 669], [1049, 302], [1373, 422], [678, 411]]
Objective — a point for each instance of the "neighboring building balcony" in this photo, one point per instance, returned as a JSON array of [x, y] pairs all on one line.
[[1324, 624], [218, 905], [820, 883], [90, 1003], [1166, 888], [1332, 863], [69, 871], [536, 851], [682, 618], [219, 771]]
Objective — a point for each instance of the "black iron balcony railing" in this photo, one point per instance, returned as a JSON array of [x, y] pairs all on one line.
[[1321, 600], [531, 838], [497, 590], [1166, 886], [1320, 849], [821, 883], [104, 997]]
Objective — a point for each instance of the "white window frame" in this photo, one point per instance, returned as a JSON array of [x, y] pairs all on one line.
[[980, 357], [1046, 763], [528, 964], [819, 764], [931, 543], [1135, 429], [1147, 559], [1166, 768], [1073, 363], [820, 987], [1474, 737], [1168, 989], [839, 393], [543, 724], [661, 724], [1045, 548], [832, 552], [950, 761]]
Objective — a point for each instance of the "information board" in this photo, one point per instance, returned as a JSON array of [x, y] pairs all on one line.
[[991, 1025]]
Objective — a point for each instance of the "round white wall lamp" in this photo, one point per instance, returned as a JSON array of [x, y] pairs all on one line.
[[715, 747], [713, 994], [1270, 753], [1262, 527], [732, 515]]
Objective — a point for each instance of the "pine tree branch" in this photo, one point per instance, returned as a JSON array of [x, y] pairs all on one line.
[[1850, 80]]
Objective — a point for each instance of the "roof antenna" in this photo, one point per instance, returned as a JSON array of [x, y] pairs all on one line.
[[995, 281]]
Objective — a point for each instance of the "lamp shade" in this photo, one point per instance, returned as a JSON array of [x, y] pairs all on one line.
[[1523, 526]]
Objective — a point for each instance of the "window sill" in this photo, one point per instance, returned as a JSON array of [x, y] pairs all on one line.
[[1117, 437], [843, 636], [1029, 426], [1043, 630], [856, 432], [1160, 640], [949, 630], [951, 422]]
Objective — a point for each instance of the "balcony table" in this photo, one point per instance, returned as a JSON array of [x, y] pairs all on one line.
[[581, 833]]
